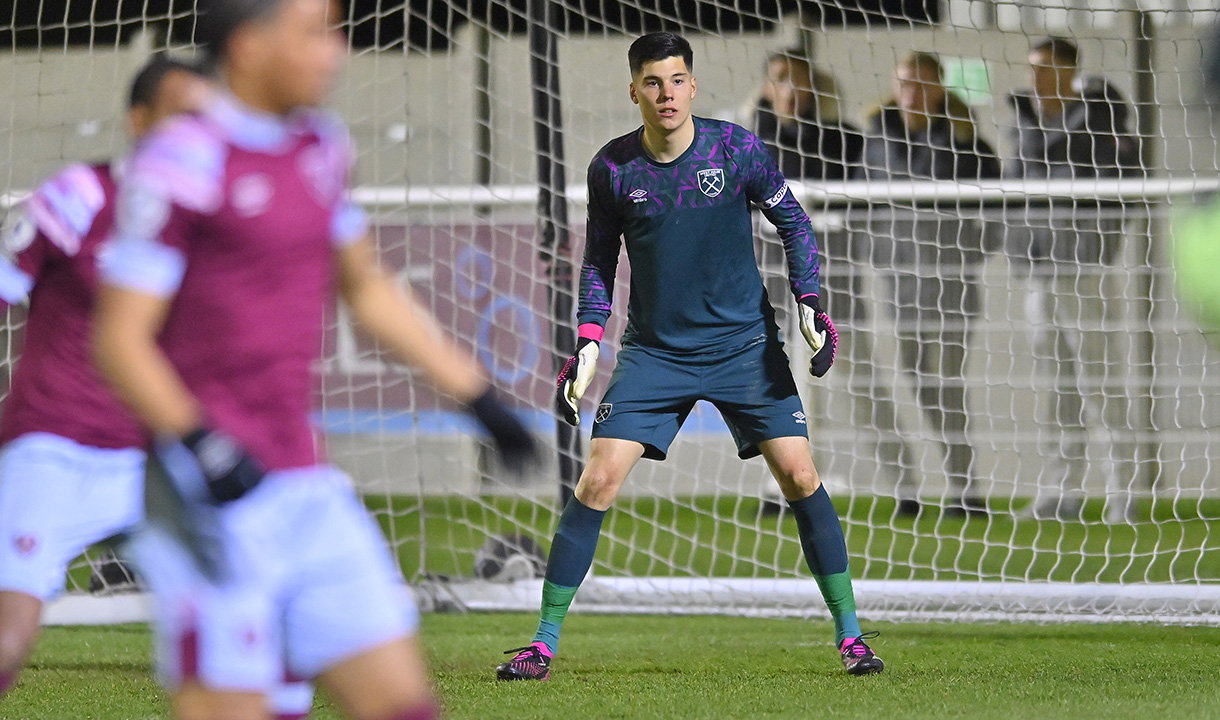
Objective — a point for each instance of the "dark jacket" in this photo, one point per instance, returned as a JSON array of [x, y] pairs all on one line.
[[948, 149], [809, 149], [925, 252], [1092, 139]]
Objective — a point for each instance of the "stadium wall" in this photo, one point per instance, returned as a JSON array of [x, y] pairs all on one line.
[[417, 116]]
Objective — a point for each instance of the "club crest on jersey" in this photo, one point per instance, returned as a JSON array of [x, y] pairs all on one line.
[[603, 411], [251, 194], [711, 181]]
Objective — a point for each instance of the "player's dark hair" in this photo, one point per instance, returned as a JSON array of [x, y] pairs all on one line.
[[146, 85], [1061, 50], [217, 20], [658, 46]]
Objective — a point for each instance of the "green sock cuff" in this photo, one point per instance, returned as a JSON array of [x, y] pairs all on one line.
[[841, 601], [838, 592], [556, 599]]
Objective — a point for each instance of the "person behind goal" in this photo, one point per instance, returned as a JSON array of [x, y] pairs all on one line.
[[234, 231], [699, 327]]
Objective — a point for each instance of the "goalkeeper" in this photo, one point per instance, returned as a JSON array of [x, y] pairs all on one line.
[[699, 327]]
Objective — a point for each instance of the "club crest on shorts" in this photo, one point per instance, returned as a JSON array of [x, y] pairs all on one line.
[[711, 181], [25, 544], [603, 411]]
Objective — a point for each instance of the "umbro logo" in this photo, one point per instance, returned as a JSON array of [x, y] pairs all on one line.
[[800, 417], [638, 196]]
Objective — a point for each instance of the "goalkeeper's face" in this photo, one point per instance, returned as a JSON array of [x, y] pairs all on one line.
[[664, 90]]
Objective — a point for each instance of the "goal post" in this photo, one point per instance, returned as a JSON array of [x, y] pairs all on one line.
[[440, 101], [1006, 567]]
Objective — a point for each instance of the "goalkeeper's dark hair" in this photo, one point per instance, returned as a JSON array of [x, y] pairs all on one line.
[[217, 20], [146, 85], [658, 46]]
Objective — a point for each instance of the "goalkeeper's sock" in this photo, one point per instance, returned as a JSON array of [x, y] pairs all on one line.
[[826, 554], [571, 556]]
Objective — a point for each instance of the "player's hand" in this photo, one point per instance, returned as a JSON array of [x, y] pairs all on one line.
[[575, 378], [514, 443], [186, 481], [820, 333], [228, 471]]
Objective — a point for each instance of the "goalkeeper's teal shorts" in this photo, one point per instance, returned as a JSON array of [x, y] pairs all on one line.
[[651, 393]]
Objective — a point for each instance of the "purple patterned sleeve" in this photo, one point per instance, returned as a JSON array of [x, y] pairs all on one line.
[[603, 239], [766, 187]]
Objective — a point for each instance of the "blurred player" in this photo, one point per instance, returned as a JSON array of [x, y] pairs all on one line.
[[699, 327], [72, 468], [233, 231], [71, 471]]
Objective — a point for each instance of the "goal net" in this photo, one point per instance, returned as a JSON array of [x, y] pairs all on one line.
[[1007, 338]]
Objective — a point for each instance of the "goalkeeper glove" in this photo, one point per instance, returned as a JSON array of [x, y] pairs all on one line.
[[513, 441], [228, 471], [574, 379], [186, 480], [820, 333], [207, 466]]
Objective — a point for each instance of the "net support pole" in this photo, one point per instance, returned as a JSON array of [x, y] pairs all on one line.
[[1144, 53], [554, 237], [482, 107]]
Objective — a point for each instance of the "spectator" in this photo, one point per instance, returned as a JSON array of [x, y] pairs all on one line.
[[929, 258], [1072, 127], [797, 116]]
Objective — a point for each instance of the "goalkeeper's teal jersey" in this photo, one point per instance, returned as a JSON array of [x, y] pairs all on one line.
[[695, 285]]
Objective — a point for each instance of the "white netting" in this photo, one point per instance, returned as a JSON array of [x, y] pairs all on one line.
[[927, 282]]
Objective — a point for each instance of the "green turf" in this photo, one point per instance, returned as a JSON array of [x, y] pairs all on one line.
[[716, 667], [731, 537]]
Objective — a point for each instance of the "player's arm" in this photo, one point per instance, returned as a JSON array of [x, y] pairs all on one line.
[[140, 271], [126, 325], [603, 240], [398, 320], [767, 187], [49, 224], [23, 248]]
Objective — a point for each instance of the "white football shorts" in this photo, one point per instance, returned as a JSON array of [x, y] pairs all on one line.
[[312, 584], [58, 497]]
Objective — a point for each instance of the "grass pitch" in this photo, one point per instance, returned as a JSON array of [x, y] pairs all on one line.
[[732, 537], [718, 667]]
